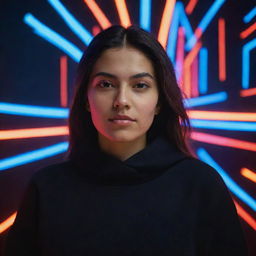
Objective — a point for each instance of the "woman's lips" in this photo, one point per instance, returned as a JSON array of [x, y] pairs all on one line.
[[121, 121]]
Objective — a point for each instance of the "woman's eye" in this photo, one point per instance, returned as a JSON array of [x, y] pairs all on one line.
[[141, 85], [104, 84]]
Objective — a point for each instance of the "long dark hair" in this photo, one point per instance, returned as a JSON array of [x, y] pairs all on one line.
[[172, 121]]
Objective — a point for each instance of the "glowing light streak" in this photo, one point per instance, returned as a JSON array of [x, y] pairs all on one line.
[[166, 22], [28, 110], [223, 141], [145, 14], [246, 62], [52, 37], [222, 49], [180, 57], [248, 31], [204, 23], [194, 78], [71, 21], [33, 156], [250, 15], [98, 14], [63, 81], [231, 184], [7, 223], [190, 6], [203, 70], [123, 13], [248, 92], [206, 99], [33, 132], [249, 174]]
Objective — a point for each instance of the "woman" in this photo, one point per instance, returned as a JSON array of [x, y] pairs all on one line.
[[130, 185]]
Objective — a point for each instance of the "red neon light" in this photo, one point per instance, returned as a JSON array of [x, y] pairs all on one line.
[[248, 92], [248, 31], [7, 223], [248, 174], [190, 6], [63, 81], [123, 13], [222, 49], [180, 56], [194, 78]]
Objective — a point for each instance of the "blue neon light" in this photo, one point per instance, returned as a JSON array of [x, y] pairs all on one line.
[[224, 125], [145, 14], [250, 15], [33, 156], [206, 99], [71, 21], [205, 22], [203, 70], [232, 185], [246, 62], [37, 111], [54, 38]]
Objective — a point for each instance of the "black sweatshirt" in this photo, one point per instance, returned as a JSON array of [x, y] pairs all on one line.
[[157, 202]]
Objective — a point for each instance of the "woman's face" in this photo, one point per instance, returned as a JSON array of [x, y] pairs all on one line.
[[123, 82]]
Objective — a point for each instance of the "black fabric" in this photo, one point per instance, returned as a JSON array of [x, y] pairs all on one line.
[[157, 202]]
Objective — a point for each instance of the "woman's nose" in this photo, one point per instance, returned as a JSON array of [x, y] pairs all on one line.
[[121, 98]]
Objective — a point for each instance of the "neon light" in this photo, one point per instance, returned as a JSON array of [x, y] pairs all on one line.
[[249, 174], [28, 110], [98, 14], [203, 70], [71, 21], [224, 125], [33, 132], [123, 13], [222, 49], [194, 78], [232, 185], [166, 22], [7, 223], [190, 6], [221, 115], [248, 92], [52, 37], [223, 141], [204, 23], [250, 15], [246, 62], [63, 81], [184, 21], [206, 99], [33, 156], [145, 14], [248, 31], [180, 57]]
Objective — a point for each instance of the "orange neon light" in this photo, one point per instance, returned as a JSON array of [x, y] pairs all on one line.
[[249, 174], [166, 22], [7, 223], [223, 141], [98, 14], [222, 49], [180, 56], [63, 81], [187, 63], [33, 132], [194, 78], [217, 115], [245, 215], [248, 92], [190, 6], [248, 31], [123, 13]]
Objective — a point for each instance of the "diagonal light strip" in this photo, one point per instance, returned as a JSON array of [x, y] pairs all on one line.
[[145, 14], [250, 15]]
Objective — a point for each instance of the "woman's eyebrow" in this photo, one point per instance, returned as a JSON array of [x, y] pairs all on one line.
[[139, 75]]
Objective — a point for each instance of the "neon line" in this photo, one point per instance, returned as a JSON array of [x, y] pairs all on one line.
[[123, 13], [71, 21], [206, 99], [245, 215], [52, 37], [222, 49], [223, 141], [98, 14], [63, 81], [248, 31], [246, 62], [145, 14], [190, 6], [221, 115], [7, 223], [33, 156], [204, 23], [28, 110], [231, 184], [194, 78], [249, 174], [248, 92], [166, 22], [224, 125], [33, 132], [203, 70], [184, 21], [250, 15]]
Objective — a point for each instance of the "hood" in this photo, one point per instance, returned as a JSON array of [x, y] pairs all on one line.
[[101, 167]]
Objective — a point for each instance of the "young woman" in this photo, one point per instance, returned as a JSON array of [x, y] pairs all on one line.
[[130, 185]]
